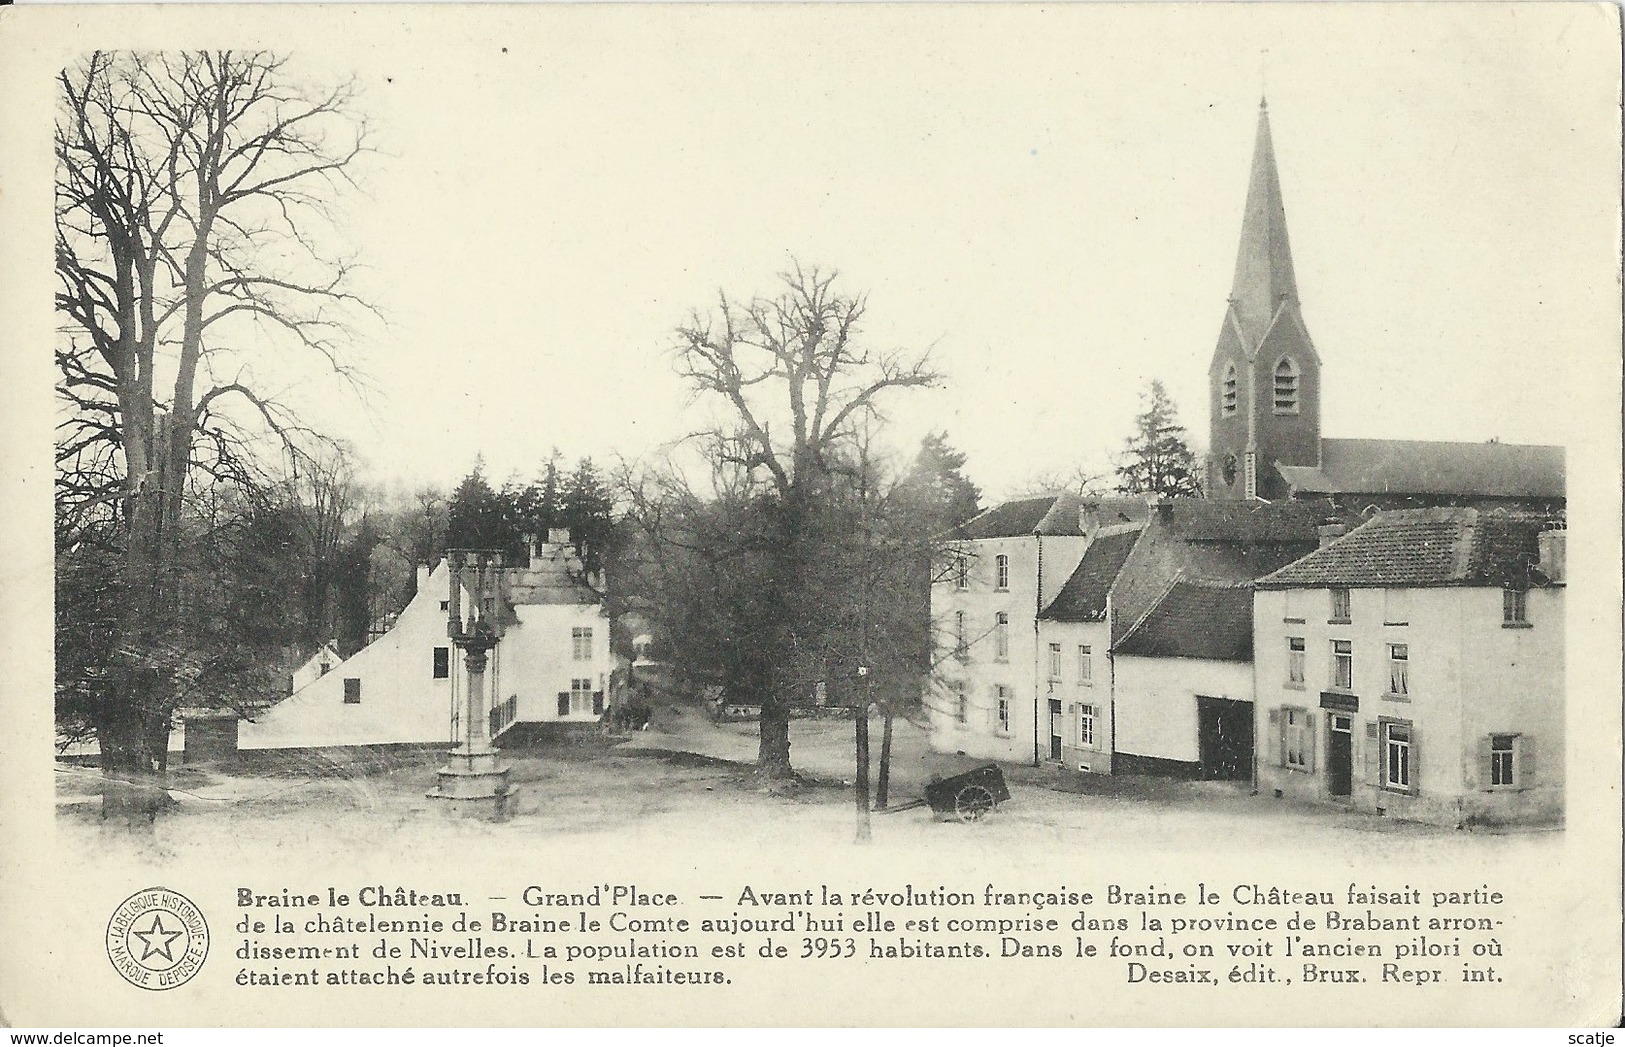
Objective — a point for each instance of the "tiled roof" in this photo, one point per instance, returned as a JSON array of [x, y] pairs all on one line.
[[1417, 467], [1192, 620], [1200, 520], [1050, 514], [1413, 548], [1083, 597]]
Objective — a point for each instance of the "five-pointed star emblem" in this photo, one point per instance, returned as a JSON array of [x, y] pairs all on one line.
[[157, 931]]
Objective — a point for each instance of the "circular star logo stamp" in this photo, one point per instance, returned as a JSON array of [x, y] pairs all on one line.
[[157, 939]]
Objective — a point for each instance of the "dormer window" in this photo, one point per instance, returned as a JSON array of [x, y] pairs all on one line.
[[1227, 393], [1286, 386]]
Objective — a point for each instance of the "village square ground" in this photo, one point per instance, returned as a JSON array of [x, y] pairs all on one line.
[[686, 783]]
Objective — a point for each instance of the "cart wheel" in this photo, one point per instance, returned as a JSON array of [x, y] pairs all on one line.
[[972, 802]]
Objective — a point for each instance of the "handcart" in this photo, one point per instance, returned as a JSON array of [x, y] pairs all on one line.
[[969, 796]]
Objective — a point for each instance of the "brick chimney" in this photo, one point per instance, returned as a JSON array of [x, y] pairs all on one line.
[[1554, 554], [1331, 532]]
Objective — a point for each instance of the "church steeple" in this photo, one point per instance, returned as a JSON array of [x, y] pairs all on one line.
[[1265, 374], [1264, 273]]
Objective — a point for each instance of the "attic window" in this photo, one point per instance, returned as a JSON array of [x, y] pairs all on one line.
[[1227, 397], [1286, 386]]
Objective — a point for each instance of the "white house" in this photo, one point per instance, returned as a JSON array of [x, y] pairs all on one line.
[[552, 665], [1005, 565], [1075, 639], [316, 666], [1414, 667]]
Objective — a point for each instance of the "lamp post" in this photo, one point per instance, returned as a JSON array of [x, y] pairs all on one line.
[[474, 775]]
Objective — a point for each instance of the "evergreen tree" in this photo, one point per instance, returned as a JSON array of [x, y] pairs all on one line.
[[586, 509], [1156, 459], [934, 489], [479, 517]]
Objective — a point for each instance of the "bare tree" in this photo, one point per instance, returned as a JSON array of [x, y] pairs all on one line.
[[797, 387], [192, 194]]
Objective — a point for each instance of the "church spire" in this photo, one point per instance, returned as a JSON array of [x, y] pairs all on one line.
[[1264, 260]]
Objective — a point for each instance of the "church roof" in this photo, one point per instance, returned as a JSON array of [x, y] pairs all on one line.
[[1264, 275], [1192, 620], [1083, 597], [1431, 467], [1415, 548]]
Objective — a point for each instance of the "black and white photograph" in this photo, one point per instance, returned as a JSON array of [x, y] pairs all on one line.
[[686, 514]]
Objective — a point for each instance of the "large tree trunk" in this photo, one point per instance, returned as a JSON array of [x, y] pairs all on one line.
[[133, 730], [133, 768], [773, 754]]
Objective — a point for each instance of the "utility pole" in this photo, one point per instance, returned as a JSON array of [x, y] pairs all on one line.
[[862, 778]]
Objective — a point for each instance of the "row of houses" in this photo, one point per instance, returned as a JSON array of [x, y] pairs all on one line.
[[1410, 666]]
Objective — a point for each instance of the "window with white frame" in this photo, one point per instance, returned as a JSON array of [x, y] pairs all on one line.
[[1514, 606], [581, 643], [580, 697], [1340, 605], [1086, 725], [1086, 664], [1001, 572], [1227, 396], [1399, 656], [1398, 755], [1054, 661], [1286, 386], [1001, 636], [961, 706], [1001, 695], [1294, 661], [1292, 605], [1295, 737], [1396, 607], [961, 570], [1503, 760], [961, 648], [1343, 665]]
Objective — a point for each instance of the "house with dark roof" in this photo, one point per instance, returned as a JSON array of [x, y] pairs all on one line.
[[1265, 395], [1086, 577], [1074, 634], [1164, 610], [1414, 668], [551, 666]]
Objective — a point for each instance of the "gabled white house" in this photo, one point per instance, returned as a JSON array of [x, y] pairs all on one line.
[[316, 666], [551, 666], [1414, 667]]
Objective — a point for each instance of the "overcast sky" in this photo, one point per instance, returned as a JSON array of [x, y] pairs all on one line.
[[1050, 198]]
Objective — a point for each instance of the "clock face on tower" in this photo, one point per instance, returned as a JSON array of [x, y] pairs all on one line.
[[1228, 468]]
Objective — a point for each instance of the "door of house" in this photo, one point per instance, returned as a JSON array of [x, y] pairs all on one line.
[[1224, 738], [1340, 754], [1055, 728]]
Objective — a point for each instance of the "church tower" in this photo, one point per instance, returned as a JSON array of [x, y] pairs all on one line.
[[1264, 382]]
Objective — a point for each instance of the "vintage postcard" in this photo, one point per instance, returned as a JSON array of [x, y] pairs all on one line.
[[811, 515]]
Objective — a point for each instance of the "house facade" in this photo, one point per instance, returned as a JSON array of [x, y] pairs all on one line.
[[552, 665], [1414, 668], [1183, 679], [986, 698]]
